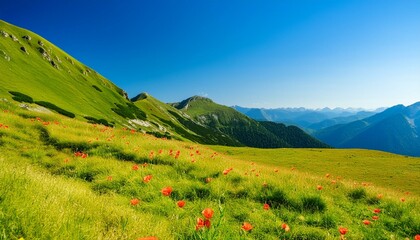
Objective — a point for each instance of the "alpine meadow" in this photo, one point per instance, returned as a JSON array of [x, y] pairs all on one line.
[[80, 160]]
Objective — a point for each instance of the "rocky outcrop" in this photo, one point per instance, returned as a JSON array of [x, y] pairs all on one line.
[[4, 55], [4, 33], [24, 50], [44, 54], [54, 64], [27, 37], [14, 38], [40, 43]]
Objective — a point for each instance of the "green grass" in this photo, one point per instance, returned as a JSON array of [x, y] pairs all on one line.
[[47, 192], [69, 86]]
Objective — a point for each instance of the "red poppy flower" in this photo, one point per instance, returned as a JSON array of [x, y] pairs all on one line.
[[134, 201], [417, 237], [207, 223], [366, 222], [84, 155], [109, 178], [266, 206], [377, 210], [135, 167], [285, 227], [147, 178], [343, 230], [208, 213], [402, 199], [319, 187], [375, 217], [200, 224], [379, 196], [167, 191], [181, 203], [246, 226], [226, 171], [148, 238]]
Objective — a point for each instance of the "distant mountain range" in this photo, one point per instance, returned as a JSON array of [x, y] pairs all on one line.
[[39, 76], [396, 130], [309, 119]]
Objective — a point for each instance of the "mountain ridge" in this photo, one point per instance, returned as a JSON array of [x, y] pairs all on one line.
[[394, 130]]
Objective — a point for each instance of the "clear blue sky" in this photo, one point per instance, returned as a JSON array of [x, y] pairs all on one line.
[[338, 53]]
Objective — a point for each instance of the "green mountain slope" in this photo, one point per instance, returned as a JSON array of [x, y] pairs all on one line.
[[44, 78], [33, 66], [242, 128], [175, 123]]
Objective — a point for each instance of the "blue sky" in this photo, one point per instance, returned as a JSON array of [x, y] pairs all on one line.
[[359, 53]]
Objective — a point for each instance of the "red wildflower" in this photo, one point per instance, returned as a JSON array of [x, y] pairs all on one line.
[[417, 237], [375, 217], [208, 179], [379, 196], [327, 175], [319, 187], [266, 206], [134, 201], [343, 230], [366, 222], [135, 167], [166, 191], [148, 238], [200, 224], [207, 223], [84, 155], [246, 226], [147, 178], [181, 203], [285, 227], [377, 210], [227, 170], [402, 199], [208, 213], [109, 178]]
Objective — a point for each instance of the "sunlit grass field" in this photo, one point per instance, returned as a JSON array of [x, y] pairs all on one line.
[[61, 178]]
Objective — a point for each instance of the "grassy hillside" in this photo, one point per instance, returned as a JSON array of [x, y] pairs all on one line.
[[61, 178], [244, 129], [178, 124], [42, 71]]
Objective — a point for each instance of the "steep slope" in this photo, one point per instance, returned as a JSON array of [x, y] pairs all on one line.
[[32, 67], [174, 123], [238, 126], [394, 130], [293, 135]]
